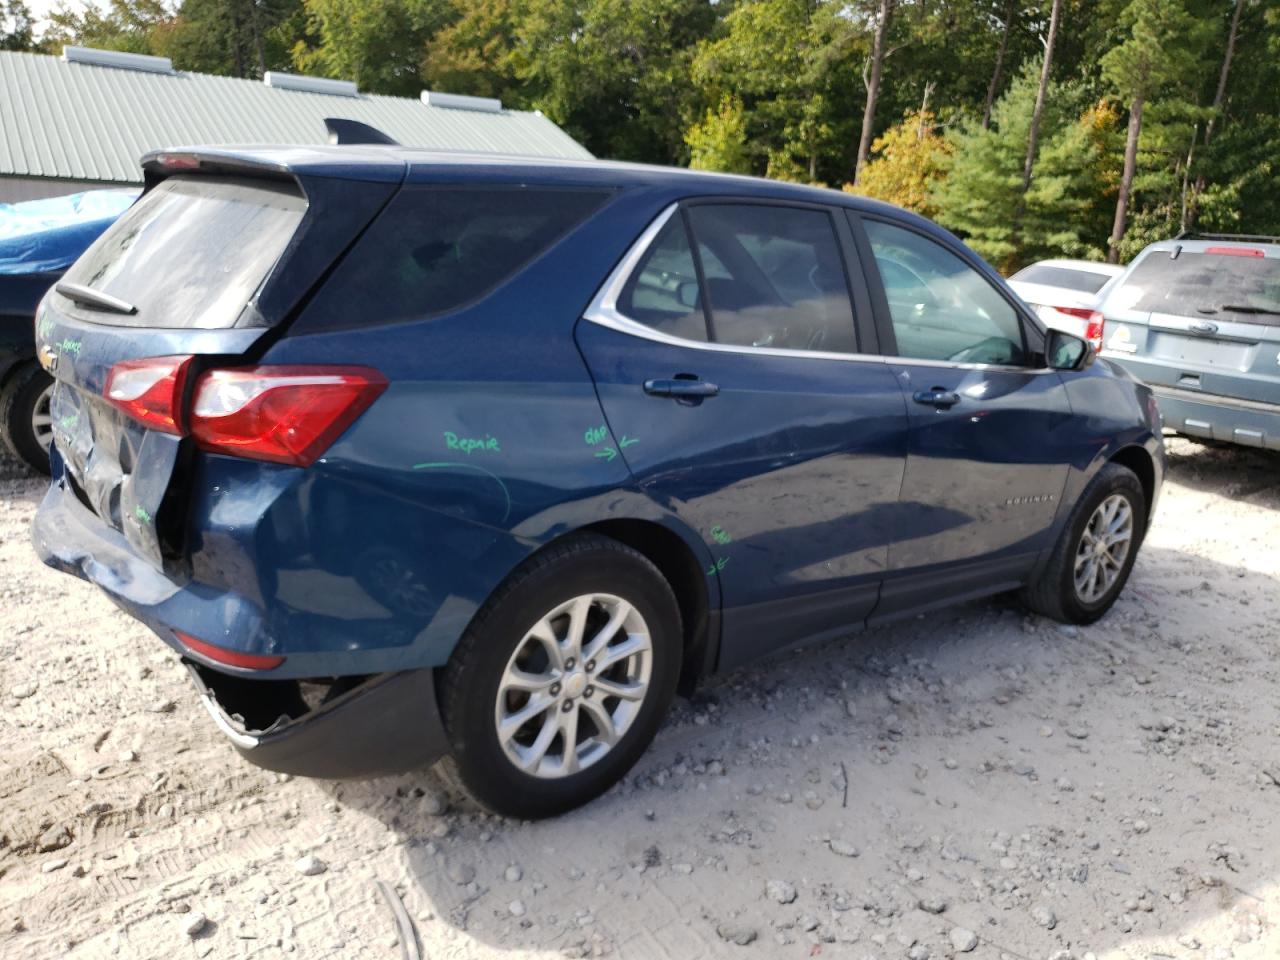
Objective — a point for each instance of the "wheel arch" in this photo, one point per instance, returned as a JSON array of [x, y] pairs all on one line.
[[1138, 460], [676, 561]]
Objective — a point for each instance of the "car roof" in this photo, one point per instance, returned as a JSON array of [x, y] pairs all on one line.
[[1206, 245], [388, 163]]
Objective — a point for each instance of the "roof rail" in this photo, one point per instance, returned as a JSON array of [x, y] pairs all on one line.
[[1247, 237], [117, 59], [294, 81], [458, 101], [344, 132]]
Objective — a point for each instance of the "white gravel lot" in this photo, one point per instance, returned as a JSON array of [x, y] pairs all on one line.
[[976, 783]]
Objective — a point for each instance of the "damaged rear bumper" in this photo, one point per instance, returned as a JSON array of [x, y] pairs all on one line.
[[384, 724]]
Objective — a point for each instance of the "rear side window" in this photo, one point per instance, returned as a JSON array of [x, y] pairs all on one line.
[[191, 252], [1086, 281], [774, 277], [436, 249], [663, 293], [1230, 286]]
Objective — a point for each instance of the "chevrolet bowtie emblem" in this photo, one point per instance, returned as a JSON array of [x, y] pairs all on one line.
[[48, 358]]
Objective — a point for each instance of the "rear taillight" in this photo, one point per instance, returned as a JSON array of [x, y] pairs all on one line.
[[1094, 323], [150, 391], [280, 413], [229, 658]]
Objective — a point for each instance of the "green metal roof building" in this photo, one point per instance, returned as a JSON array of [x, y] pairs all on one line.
[[82, 120]]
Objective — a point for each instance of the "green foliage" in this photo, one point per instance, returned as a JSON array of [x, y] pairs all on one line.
[[775, 87], [376, 43], [614, 73], [16, 26], [719, 140], [475, 54], [908, 161]]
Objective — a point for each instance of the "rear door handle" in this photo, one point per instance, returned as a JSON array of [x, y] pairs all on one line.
[[680, 388], [937, 397]]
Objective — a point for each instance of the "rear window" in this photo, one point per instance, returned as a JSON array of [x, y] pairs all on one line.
[[1240, 288], [436, 249], [1086, 281], [191, 252]]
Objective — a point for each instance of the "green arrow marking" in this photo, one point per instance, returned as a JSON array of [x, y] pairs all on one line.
[[608, 453]]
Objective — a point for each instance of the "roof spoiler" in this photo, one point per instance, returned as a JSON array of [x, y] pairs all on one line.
[[343, 132]]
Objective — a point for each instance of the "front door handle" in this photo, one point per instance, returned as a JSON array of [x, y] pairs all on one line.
[[937, 397], [681, 389]]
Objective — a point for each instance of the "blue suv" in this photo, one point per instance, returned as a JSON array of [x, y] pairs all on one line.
[[414, 456]]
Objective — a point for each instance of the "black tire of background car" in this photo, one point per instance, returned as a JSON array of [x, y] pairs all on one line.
[[17, 403], [468, 688], [1053, 594]]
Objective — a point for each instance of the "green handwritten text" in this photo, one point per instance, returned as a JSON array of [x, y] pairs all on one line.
[[595, 435], [720, 564], [45, 328], [719, 535], [69, 346], [469, 445], [142, 514]]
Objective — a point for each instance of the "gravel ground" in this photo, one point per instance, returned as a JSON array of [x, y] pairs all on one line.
[[978, 783]]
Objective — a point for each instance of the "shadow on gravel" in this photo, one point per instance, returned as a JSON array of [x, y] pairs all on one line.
[[1046, 788], [1238, 473]]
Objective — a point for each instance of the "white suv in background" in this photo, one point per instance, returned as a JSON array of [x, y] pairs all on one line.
[[1065, 293]]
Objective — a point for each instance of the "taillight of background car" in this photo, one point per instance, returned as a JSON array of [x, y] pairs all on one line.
[[1093, 323]]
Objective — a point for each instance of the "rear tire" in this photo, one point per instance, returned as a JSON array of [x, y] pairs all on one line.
[[540, 722], [1095, 552], [25, 421]]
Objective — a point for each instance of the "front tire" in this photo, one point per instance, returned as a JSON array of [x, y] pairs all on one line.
[[561, 681], [1095, 552]]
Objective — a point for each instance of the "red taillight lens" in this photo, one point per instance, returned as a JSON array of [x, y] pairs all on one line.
[[150, 391], [280, 413], [1094, 323], [232, 658]]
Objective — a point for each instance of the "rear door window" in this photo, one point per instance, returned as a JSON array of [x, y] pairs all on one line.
[[191, 252], [1228, 286], [774, 277], [663, 292], [438, 248]]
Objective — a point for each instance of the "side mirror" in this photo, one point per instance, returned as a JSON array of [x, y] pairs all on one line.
[[687, 294], [1066, 351]]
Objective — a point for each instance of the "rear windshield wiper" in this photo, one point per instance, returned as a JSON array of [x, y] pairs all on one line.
[[89, 297], [1246, 308]]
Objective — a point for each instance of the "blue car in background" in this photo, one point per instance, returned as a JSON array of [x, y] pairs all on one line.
[[414, 456], [39, 239]]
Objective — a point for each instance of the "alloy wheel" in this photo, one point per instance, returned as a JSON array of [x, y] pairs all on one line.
[[1103, 548], [42, 419], [574, 685]]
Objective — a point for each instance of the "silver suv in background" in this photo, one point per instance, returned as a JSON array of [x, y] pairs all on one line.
[[1198, 318]]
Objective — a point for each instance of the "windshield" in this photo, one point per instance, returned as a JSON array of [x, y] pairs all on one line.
[[1240, 288], [190, 253]]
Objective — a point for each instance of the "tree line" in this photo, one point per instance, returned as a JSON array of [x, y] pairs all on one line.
[[1065, 127]]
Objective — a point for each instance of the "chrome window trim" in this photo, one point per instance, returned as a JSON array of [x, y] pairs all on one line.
[[603, 310]]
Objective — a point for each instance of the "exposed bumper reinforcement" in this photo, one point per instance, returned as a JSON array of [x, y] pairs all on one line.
[[388, 724]]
